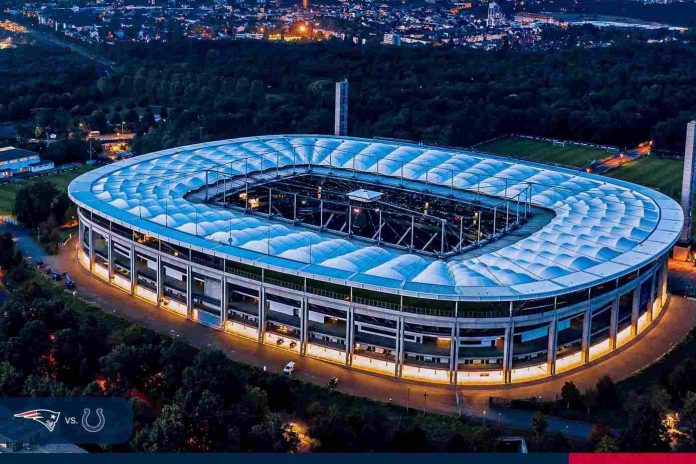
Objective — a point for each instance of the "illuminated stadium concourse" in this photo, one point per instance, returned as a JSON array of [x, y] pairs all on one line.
[[419, 262]]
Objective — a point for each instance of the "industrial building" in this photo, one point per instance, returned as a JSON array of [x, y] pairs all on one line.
[[17, 160], [412, 261]]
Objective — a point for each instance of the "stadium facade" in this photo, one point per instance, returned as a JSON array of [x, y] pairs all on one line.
[[419, 262]]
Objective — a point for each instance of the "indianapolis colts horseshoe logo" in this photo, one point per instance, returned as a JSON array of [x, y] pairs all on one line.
[[93, 428]]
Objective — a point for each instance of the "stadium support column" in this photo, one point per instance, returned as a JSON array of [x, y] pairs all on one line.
[[662, 285], [223, 303], [614, 322], [586, 334], [189, 292], [110, 258], [262, 314], [651, 298], [160, 280], [91, 248], [399, 359], [133, 276], [507, 352], [350, 317], [304, 326], [552, 347], [454, 345], [635, 307]]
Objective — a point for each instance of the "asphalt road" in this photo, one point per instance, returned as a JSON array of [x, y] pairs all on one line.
[[24, 241], [673, 325]]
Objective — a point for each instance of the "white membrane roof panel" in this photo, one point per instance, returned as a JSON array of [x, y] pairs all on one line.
[[603, 228]]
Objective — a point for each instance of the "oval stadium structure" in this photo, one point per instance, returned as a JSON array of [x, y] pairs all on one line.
[[419, 262]]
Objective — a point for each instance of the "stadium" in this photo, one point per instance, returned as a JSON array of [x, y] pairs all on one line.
[[424, 263]]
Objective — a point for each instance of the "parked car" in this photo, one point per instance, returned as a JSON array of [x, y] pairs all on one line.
[[333, 383], [289, 368]]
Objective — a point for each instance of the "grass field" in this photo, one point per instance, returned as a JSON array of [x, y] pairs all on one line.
[[61, 180], [545, 152], [664, 175]]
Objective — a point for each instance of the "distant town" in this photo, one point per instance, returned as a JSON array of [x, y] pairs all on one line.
[[457, 23]]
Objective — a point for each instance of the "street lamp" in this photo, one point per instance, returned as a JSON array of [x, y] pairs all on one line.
[[123, 123]]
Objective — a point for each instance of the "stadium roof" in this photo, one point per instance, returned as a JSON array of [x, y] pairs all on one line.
[[603, 228]]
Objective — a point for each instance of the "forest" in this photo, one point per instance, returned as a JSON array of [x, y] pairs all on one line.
[[620, 95]]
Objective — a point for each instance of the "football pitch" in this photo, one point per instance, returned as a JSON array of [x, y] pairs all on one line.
[[543, 151]]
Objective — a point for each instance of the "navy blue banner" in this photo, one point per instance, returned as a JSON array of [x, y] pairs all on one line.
[[341, 458], [65, 420]]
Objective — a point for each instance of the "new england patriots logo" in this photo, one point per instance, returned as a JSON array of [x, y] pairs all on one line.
[[46, 417]]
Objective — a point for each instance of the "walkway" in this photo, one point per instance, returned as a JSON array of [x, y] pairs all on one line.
[[674, 324]]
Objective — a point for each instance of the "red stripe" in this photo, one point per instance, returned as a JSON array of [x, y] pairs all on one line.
[[632, 458]]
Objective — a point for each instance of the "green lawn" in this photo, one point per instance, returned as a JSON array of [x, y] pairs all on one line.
[[61, 180], [664, 175], [545, 152]]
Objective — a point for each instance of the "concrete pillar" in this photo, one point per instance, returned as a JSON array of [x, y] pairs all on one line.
[[110, 258], [189, 292], [399, 358], [586, 334], [160, 280], [635, 307], [552, 347], [262, 314], [662, 284], [133, 275], [91, 249], [80, 231], [507, 352], [223, 303], [304, 326], [453, 354], [614, 322], [350, 316], [651, 298]]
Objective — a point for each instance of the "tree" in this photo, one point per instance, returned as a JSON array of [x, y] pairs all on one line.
[[10, 380], [607, 444], [332, 431], [273, 436], [458, 443], [683, 377], [539, 425], [33, 202], [644, 430], [687, 421], [599, 431], [167, 433], [660, 399], [132, 366], [410, 439], [571, 395], [40, 386], [607, 393]]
